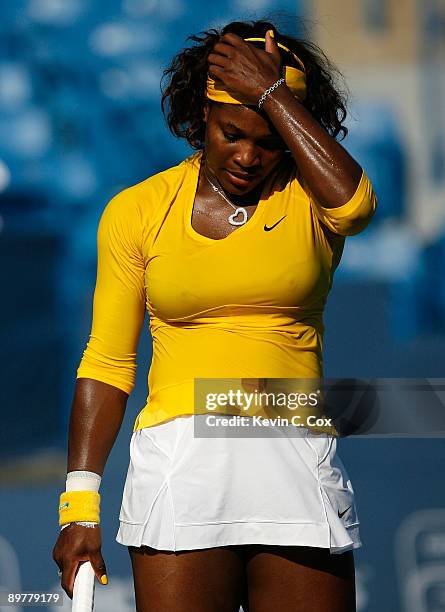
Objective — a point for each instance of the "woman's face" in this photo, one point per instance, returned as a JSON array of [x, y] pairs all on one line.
[[241, 147]]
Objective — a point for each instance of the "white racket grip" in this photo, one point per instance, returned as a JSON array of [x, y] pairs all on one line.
[[83, 593]]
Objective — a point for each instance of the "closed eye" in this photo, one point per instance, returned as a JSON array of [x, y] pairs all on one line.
[[271, 145], [230, 137]]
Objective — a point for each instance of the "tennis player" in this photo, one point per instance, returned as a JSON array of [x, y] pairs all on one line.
[[233, 252]]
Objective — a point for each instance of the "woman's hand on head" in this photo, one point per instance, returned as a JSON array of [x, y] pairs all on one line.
[[242, 68]]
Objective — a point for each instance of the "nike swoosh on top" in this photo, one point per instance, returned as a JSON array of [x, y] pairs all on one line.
[[267, 229], [340, 514], [63, 506]]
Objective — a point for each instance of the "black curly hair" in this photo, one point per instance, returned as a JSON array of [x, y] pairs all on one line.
[[183, 96]]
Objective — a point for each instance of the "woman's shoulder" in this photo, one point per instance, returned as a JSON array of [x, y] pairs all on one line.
[[157, 190], [171, 175]]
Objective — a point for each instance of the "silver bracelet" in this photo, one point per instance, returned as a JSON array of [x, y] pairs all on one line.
[[269, 91]]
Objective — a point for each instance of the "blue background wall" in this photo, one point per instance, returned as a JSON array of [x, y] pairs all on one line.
[[80, 119]]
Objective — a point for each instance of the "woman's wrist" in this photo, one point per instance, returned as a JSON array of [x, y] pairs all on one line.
[[82, 480], [269, 90]]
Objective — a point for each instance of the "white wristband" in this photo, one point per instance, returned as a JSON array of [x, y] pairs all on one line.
[[81, 480]]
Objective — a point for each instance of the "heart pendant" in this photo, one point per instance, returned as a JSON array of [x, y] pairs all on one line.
[[238, 211]]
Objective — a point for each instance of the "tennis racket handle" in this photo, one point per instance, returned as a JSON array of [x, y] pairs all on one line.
[[83, 593]]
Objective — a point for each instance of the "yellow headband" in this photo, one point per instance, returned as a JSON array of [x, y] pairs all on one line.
[[295, 80]]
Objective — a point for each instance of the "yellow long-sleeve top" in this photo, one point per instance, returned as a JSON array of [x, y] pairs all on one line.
[[246, 306]]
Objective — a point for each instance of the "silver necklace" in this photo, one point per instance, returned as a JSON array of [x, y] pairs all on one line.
[[238, 209]]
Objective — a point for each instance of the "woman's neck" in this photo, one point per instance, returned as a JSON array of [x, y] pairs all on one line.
[[250, 198]]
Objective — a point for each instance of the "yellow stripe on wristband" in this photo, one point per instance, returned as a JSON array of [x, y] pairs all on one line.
[[79, 506]]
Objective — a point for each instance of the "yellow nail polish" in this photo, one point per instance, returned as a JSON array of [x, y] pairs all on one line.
[[271, 34], [104, 579]]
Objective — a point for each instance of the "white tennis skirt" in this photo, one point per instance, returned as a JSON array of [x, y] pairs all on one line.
[[184, 492]]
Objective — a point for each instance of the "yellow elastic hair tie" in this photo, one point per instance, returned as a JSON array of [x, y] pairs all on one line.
[[79, 506], [295, 80]]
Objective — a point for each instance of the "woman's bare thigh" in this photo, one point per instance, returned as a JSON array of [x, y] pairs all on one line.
[[299, 579], [205, 580]]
